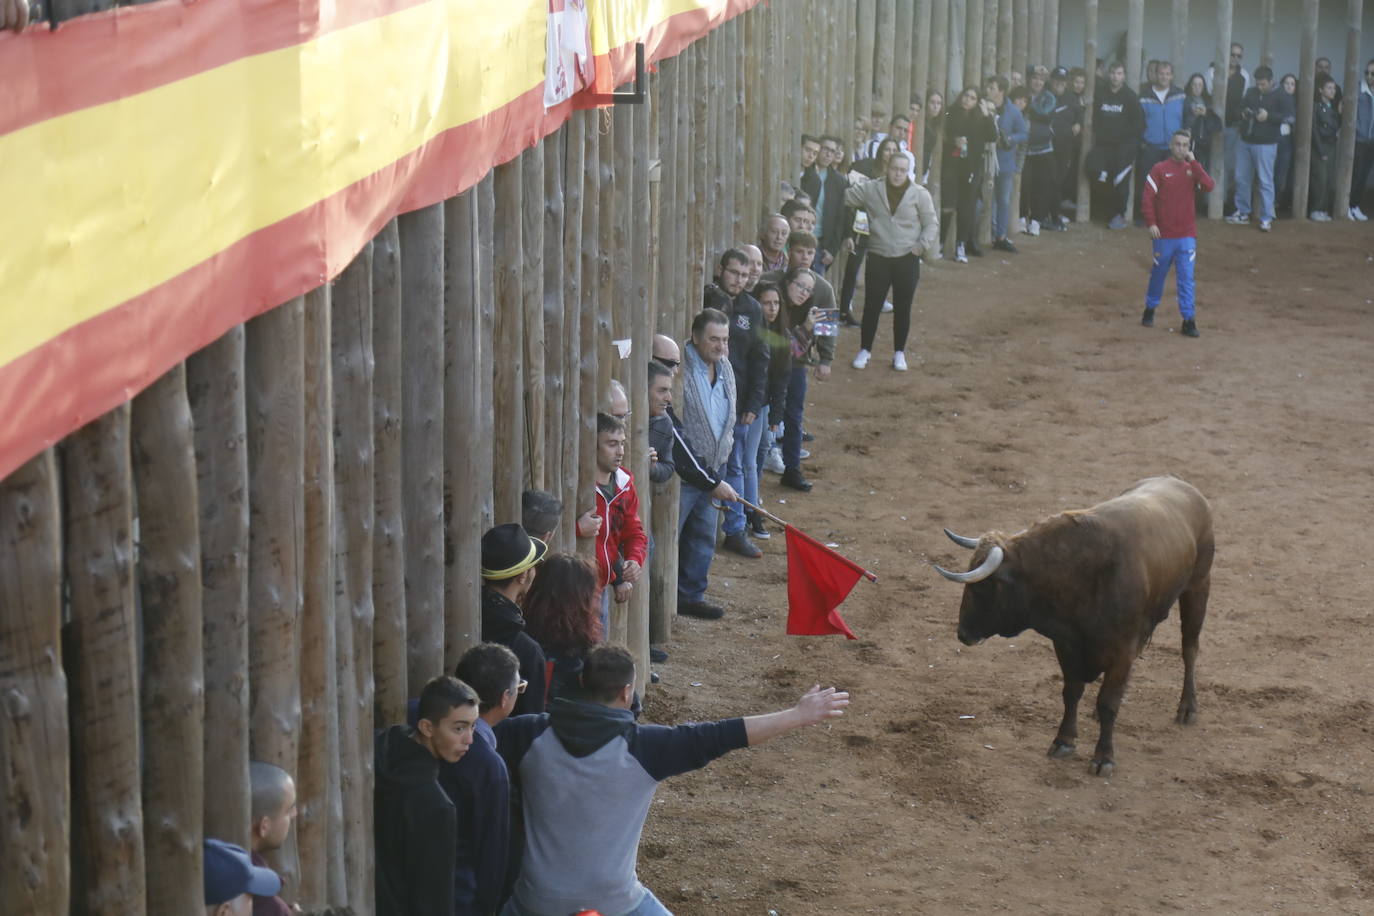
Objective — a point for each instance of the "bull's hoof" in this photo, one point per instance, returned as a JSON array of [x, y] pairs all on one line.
[[1103, 767], [1186, 715], [1060, 749]]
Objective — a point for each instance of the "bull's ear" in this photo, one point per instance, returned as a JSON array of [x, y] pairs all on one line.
[[970, 543]]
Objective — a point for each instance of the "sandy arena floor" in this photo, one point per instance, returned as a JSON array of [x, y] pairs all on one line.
[[1034, 389]]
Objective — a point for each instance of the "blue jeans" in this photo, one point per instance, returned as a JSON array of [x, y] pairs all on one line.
[[1001, 204], [792, 418], [742, 472], [696, 542], [1182, 254], [649, 906], [1255, 160]]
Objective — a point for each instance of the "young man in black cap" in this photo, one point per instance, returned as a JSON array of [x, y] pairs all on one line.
[[415, 825], [231, 880], [509, 557]]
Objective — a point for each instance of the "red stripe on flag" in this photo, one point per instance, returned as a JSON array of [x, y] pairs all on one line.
[[818, 580]]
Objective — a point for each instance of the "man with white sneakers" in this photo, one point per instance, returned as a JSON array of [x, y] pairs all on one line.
[[1364, 141], [902, 225]]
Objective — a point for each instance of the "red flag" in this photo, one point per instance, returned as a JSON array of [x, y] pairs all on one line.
[[818, 579]]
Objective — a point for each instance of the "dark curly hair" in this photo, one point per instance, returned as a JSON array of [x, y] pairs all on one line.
[[562, 608]]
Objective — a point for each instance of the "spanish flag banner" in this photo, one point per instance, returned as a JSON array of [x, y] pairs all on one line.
[[172, 169]]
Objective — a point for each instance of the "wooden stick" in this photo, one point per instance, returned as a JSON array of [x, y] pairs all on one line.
[[1345, 159]]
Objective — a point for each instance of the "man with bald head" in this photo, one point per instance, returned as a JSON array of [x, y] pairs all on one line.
[[755, 266], [667, 353], [773, 241], [273, 807]]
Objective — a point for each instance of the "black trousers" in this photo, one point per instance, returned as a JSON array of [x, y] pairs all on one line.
[[959, 180], [1041, 181], [851, 273], [899, 275]]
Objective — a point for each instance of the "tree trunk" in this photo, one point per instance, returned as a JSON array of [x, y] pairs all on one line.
[[162, 447], [35, 801], [1302, 134], [589, 368], [1216, 200], [508, 456], [1345, 159], [865, 100], [422, 440], [554, 332], [1178, 39], [215, 389], [573, 292], [388, 540], [1082, 215], [100, 649], [532, 303]]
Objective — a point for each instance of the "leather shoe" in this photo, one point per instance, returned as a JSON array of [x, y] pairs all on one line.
[[793, 478], [739, 543], [701, 609]]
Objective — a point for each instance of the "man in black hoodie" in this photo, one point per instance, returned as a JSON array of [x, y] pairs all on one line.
[[509, 557], [415, 825], [749, 357], [1117, 123]]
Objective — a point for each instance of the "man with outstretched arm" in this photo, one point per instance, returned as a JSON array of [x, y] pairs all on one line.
[[588, 774], [1169, 208]]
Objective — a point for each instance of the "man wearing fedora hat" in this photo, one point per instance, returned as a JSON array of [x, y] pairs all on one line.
[[509, 557]]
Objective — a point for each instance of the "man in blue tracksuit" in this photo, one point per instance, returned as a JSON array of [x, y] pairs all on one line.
[[1012, 133], [588, 772], [1161, 104]]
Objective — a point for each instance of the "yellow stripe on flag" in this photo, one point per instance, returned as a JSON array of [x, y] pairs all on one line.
[[114, 200]]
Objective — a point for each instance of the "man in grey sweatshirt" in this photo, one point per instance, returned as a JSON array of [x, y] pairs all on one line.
[[587, 773]]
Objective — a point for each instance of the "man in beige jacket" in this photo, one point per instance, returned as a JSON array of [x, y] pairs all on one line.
[[902, 225]]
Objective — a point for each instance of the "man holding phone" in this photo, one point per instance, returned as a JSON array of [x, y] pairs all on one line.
[[1168, 207], [902, 225]]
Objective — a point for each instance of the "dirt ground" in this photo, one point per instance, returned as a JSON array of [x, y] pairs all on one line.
[[1034, 389]]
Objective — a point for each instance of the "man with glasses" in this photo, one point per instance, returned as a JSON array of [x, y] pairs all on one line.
[[749, 355], [667, 352], [478, 783], [1364, 142], [1238, 82], [824, 184]]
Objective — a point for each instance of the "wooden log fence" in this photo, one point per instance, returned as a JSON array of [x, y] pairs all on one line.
[[280, 538]]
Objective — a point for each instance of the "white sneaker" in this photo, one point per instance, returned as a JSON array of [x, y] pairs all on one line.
[[803, 455], [1033, 228], [959, 254], [1320, 216], [899, 361], [1265, 225], [1020, 224], [773, 462], [861, 361], [887, 305], [1358, 215], [1235, 219]]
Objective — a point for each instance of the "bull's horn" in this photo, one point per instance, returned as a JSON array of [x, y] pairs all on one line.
[[985, 569], [962, 541]]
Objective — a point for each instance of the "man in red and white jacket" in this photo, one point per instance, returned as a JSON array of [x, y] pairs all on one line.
[[1169, 206], [621, 544]]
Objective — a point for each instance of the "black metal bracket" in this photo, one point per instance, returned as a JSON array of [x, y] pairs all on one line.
[[634, 97]]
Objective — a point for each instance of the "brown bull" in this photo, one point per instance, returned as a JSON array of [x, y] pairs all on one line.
[[1097, 582]]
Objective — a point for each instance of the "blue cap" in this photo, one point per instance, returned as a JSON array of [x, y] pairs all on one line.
[[230, 873]]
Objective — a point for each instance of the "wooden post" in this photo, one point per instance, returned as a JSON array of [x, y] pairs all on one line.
[[1135, 38], [732, 115], [920, 78], [215, 389], [467, 460], [1082, 215], [318, 833], [1006, 35], [847, 82], [162, 447], [589, 366], [865, 36], [532, 321], [1035, 37], [486, 302], [508, 454], [636, 373], [354, 492], [1020, 36], [755, 128], [1302, 134], [388, 545], [1354, 72], [1215, 200], [551, 320], [903, 89], [1266, 17], [574, 180], [1049, 46], [990, 23], [958, 16], [100, 649], [610, 258], [422, 440], [669, 243], [973, 40], [885, 21], [939, 82], [626, 303], [35, 798], [1178, 39]]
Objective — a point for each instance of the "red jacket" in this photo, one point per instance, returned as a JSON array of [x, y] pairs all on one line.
[[1169, 201], [622, 536]]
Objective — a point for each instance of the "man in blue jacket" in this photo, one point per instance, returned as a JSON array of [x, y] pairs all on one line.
[[1012, 133], [1161, 104], [587, 773], [1263, 111]]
